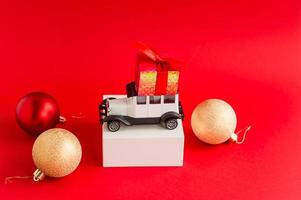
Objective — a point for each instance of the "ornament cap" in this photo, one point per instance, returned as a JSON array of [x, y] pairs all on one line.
[[38, 175], [233, 137], [62, 119]]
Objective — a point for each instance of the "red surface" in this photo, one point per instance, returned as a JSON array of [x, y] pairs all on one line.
[[246, 52]]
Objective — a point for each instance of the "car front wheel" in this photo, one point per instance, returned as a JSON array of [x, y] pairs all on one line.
[[113, 126], [171, 123]]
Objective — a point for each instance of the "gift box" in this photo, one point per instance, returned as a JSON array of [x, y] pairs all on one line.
[[156, 76]]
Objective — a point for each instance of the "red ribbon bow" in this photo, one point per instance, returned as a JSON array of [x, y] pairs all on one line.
[[149, 53], [164, 63]]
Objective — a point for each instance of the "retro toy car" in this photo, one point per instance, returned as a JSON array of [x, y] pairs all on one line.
[[135, 110]]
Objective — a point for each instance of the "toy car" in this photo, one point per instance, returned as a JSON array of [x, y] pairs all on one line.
[[134, 110]]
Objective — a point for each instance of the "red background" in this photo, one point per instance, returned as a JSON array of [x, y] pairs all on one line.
[[245, 52]]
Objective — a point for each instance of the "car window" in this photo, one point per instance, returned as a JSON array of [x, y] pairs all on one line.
[[169, 99], [141, 99], [155, 99]]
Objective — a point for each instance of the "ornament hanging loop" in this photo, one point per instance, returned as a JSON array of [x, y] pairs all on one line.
[[234, 136], [38, 175], [10, 178]]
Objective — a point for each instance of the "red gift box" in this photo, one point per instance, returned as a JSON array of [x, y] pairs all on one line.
[[156, 76]]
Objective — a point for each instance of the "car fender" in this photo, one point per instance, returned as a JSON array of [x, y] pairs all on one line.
[[170, 114], [119, 118]]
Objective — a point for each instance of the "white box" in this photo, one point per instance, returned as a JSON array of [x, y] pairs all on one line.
[[143, 145]]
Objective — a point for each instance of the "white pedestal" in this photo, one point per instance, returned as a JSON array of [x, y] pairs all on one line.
[[143, 145]]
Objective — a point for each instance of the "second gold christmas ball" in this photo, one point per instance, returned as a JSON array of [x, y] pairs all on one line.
[[213, 121], [56, 153]]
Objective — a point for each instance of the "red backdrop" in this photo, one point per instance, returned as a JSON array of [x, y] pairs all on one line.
[[245, 52]]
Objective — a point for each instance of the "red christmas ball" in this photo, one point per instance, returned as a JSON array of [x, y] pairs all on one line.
[[36, 112]]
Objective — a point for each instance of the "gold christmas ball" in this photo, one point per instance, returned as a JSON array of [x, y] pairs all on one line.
[[56, 153], [213, 121]]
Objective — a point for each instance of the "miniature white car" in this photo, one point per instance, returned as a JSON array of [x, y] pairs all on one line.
[[134, 110]]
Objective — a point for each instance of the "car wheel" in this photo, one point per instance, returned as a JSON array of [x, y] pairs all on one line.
[[113, 126], [171, 123]]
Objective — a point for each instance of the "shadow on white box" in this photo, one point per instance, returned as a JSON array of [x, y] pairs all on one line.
[[142, 145]]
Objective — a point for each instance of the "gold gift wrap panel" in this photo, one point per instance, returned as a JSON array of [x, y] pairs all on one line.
[[147, 83], [172, 82]]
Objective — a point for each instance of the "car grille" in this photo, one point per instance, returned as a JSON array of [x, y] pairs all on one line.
[[103, 111]]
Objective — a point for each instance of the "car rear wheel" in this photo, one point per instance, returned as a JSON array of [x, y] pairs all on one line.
[[171, 123], [113, 126]]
